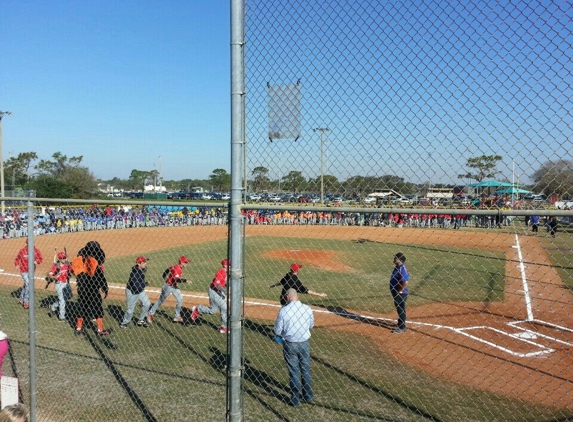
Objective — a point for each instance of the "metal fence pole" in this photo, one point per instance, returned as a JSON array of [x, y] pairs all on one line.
[[32, 311], [235, 367]]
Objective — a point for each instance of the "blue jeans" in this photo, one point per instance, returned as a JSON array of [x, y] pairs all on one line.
[[297, 358], [132, 300], [216, 302], [400, 304], [64, 292], [25, 293], [167, 290]]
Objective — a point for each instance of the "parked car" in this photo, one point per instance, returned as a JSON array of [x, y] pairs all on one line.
[[225, 196], [536, 197], [273, 197], [369, 200], [254, 197]]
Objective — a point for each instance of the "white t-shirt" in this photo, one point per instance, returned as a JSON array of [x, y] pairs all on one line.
[[3, 336]]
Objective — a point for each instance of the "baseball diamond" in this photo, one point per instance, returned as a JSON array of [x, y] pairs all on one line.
[[485, 346]]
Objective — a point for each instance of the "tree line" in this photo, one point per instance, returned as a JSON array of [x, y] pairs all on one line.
[[66, 177]]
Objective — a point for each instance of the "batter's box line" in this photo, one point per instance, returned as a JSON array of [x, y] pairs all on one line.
[[545, 350], [515, 324]]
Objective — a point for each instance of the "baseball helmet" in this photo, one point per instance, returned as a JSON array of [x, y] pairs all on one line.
[[295, 267], [62, 255]]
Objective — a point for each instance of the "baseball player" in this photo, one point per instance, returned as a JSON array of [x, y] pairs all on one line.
[[291, 281], [217, 297], [399, 290], [21, 264], [60, 275], [135, 292], [172, 277]]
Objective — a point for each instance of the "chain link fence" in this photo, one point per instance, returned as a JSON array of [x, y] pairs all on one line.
[[439, 131]]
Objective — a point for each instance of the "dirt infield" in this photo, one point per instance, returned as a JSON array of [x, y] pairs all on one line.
[[468, 343]]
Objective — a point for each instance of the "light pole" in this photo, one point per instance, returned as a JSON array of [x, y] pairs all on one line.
[[2, 114], [321, 130]]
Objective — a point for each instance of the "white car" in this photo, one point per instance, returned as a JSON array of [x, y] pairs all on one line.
[[274, 198], [369, 200], [254, 197], [225, 196]]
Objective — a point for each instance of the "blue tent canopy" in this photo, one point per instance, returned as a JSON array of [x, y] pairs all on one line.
[[513, 190], [490, 184]]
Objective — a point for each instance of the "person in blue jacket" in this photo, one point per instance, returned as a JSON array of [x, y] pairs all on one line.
[[135, 292], [399, 290]]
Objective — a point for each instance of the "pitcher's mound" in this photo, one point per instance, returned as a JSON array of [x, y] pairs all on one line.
[[326, 260]]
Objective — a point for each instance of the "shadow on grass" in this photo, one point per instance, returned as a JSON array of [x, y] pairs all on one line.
[[400, 402], [270, 385], [340, 311], [122, 381]]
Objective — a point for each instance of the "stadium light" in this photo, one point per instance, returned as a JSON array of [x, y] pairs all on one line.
[[321, 130], [2, 114]]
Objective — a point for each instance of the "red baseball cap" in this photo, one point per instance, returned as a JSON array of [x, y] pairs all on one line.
[[62, 255], [296, 267], [184, 260], [141, 260], [226, 262]]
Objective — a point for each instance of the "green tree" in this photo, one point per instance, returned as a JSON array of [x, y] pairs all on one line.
[[17, 168], [137, 179], [555, 177], [78, 181], [47, 186], [294, 181], [481, 167], [362, 186], [260, 180], [221, 180]]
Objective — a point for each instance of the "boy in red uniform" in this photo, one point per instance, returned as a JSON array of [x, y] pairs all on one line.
[[217, 297], [60, 273], [171, 287]]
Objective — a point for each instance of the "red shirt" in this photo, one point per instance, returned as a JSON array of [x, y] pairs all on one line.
[[61, 275], [21, 260], [175, 273], [220, 281]]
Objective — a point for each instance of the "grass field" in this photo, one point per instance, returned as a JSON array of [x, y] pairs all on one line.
[[438, 274], [171, 372]]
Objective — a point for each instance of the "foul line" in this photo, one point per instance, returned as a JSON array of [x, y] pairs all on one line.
[[524, 280]]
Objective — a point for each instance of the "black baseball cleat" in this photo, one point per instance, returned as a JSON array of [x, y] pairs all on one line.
[[50, 314], [79, 331], [143, 323], [105, 332]]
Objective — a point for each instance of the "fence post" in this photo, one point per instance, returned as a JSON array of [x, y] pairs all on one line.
[[234, 366], [32, 310]]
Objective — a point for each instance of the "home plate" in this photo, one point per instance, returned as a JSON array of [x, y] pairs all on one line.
[[526, 334]]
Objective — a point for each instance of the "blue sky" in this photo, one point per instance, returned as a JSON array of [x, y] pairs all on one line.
[[120, 83], [411, 88]]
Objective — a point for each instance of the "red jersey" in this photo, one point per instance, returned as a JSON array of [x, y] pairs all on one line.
[[175, 273], [60, 272], [220, 281], [21, 260]]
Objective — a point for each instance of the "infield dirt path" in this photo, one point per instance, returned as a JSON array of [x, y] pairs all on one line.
[[490, 360]]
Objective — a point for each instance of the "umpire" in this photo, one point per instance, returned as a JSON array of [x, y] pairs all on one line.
[[399, 290], [293, 324]]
